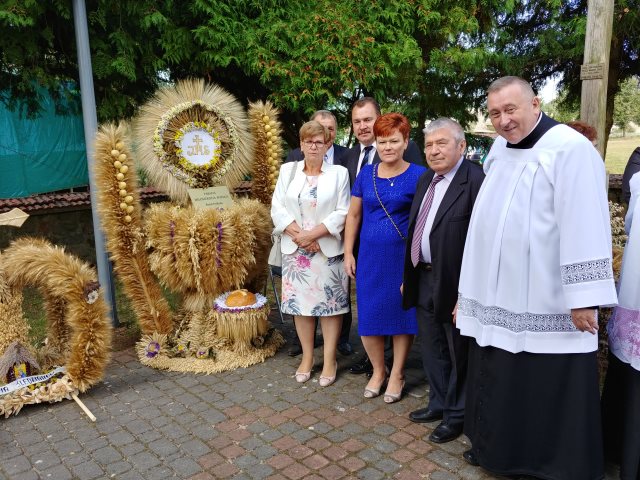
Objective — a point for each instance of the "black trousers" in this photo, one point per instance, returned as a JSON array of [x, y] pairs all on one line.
[[621, 417], [444, 356]]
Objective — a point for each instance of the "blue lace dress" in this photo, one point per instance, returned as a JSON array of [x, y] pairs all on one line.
[[381, 253]]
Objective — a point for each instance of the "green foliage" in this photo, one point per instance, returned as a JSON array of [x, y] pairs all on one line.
[[425, 58], [562, 109], [627, 105]]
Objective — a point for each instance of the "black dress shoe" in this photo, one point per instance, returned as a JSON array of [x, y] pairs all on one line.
[[445, 433], [470, 458], [425, 415], [361, 366], [294, 350], [345, 348]]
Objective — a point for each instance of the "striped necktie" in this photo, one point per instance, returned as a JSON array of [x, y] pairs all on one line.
[[421, 221], [365, 157]]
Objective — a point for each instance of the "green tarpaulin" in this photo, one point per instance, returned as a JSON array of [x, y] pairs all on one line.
[[42, 154]]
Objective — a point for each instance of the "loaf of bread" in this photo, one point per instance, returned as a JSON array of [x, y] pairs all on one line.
[[240, 298]]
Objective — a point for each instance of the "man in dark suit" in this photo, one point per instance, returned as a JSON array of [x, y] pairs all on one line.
[[438, 223], [335, 155], [364, 113], [633, 167]]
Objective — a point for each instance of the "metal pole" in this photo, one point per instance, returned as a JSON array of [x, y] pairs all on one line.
[[90, 120]]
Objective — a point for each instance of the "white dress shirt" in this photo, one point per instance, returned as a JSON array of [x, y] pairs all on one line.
[[328, 156], [372, 154], [441, 189]]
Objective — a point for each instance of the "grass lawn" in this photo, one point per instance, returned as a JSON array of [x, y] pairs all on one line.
[[618, 152]]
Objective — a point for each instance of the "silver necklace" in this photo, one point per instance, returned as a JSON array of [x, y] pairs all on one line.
[[391, 180]]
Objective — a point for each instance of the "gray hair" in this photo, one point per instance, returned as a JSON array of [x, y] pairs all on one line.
[[323, 114], [449, 124], [503, 82]]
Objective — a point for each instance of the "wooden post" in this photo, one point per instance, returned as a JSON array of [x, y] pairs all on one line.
[[594, 72]]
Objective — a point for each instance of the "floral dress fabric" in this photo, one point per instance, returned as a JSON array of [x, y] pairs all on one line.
[[312, 283], [624, 325]]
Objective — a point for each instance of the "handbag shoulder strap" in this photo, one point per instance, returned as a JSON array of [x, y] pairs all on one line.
[[293, 174], [375, 189]]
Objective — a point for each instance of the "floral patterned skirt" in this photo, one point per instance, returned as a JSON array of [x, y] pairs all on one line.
[[313, 284]]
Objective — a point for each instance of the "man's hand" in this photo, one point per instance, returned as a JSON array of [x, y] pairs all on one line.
[[350, 265], [585, 320]]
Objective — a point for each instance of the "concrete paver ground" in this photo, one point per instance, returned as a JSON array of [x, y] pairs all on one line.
[[254, 423]]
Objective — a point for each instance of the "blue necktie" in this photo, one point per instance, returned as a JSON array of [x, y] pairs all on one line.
[[365, 157]]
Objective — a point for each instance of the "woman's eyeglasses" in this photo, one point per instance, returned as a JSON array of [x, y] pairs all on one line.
[[310, 144]]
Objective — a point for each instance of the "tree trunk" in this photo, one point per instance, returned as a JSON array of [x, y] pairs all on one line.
[[613, 82]]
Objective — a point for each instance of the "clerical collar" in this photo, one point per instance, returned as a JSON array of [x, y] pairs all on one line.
[[544, 124]]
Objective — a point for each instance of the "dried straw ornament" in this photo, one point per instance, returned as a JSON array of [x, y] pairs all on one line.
[[78, 326], [198, 253], [268, 135]]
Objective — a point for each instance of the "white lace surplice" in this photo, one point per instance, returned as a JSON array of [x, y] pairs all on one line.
[[624, 325], [539, 244]]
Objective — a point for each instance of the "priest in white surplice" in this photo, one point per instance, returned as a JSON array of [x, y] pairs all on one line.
[[537, 262]]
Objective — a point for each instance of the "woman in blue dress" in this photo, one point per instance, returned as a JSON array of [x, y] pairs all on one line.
[[377, 221]]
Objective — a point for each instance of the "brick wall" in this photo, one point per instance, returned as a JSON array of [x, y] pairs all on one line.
[[71, 229]]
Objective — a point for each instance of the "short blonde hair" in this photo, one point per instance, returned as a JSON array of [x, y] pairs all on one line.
[[313, 128]]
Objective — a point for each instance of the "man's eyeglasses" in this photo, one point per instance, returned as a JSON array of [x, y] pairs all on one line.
[[310, 144]]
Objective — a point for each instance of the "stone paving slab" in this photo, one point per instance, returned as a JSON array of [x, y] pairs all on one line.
[[254, 423]]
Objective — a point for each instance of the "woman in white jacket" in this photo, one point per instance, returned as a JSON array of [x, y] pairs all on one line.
[[309, 208]]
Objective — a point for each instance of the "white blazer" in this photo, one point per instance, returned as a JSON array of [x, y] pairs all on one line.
[[331, 210]]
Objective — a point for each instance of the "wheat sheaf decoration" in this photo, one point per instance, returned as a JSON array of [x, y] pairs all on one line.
[[267, 131], [78, 324], [121, 218], [193, 135]]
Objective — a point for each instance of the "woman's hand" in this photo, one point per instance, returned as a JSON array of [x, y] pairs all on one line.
[[350, 265], [304, 239], [313, 248], [292, 230]]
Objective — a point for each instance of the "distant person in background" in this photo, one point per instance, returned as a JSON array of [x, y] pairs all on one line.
[[633, 166], [585, 129], [621, 395], [335, 154]]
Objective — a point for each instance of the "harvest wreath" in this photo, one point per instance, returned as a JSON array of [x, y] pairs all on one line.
[[78, 326], [192, 135]]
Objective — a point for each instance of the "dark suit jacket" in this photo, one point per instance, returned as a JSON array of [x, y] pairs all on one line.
[[446, 239], [633, 166], [411, 155], [339, 152]]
